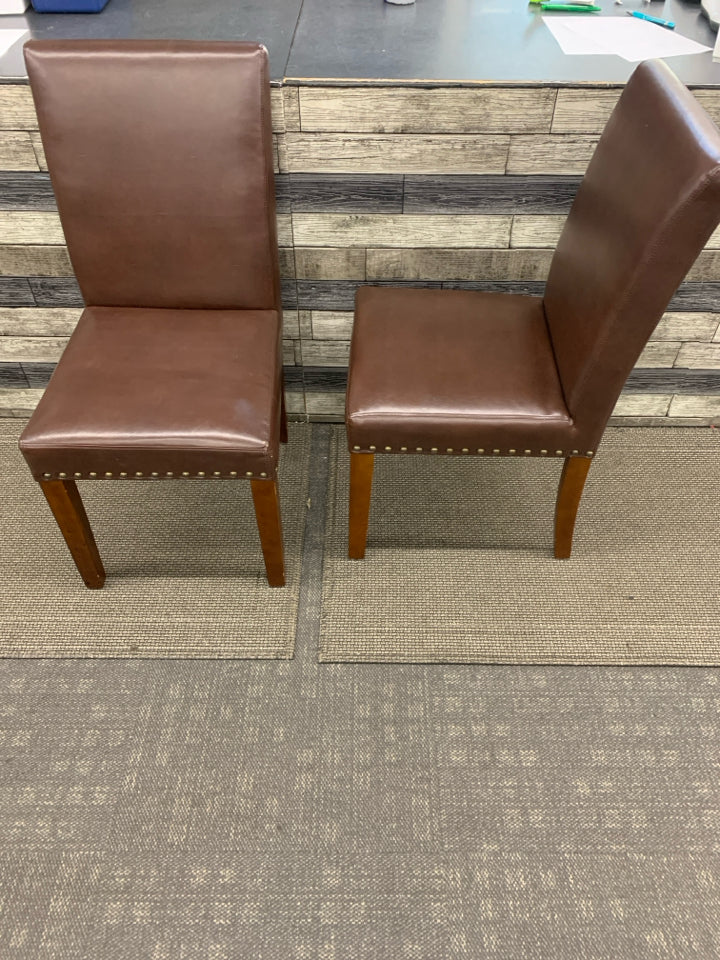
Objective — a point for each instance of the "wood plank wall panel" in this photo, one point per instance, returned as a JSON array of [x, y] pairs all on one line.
[[444, 187]]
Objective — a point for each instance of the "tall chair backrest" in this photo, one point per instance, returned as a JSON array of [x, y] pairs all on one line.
[[646, 207], [180, 215]]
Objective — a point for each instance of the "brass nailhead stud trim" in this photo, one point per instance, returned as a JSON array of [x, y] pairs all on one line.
[[576, 451], [388, 448], [433, 449], [185, 473], [543, 451], [589, 453], [511, 451], [465, 450], [233, 473], [108, 473], [169, 473], [217, 473], [496, 451], [419, 449], [481, 449], [138, 473], [248, 473], [403, 449], [201, 473], [372, 448], [92, 474], [263, 474], [154, 474], [78, 474], [559, 452], [528, 451], [62, 475], [356, 448], [449, 449], [47, 474], [123, 473]]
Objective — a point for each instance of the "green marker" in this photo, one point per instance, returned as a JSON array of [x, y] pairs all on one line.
[[570, 7]]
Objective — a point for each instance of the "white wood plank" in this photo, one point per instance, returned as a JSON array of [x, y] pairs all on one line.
[[699, 356], [642, 405], [583, 110], [325, 353], [687, 326], [329, 263], [17, 110], [35, 349], [29, 261], [360, 153], [553, 154], [16, 151], [458, 264], [658, 353], [18, 403], [38, 321], [37, 145], [440, 110], [536, 231], [276, 109], [31, 227], [361, 230], [332, 325], [291, 107], [690, 405], [291, 325]]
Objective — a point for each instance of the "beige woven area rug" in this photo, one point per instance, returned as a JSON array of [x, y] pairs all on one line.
[[459, 565], [185, 575]]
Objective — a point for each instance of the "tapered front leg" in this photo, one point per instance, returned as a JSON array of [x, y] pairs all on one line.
[[361, 474], [69, 512], [267, 514], [572, 481]]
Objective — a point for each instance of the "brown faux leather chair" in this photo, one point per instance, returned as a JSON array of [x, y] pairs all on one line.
[[160, 155], [467, 373]]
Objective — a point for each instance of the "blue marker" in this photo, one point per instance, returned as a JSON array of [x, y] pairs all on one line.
[[646, 16]]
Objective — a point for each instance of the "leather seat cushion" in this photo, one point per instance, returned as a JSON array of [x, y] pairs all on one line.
[[157, 391], [454, 369]]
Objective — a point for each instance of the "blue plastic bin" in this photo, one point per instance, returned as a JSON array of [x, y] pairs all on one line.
[[69, 6]]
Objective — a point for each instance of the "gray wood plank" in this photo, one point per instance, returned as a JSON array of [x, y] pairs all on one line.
[[674, 381], [38, 374], [55, 292], [338, 193], [697, 297], [16, 292], [489, 194], [338, 294], [26, 191], [13, 375]]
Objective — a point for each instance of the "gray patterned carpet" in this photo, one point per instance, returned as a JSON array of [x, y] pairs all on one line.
[[290, 810], [459, 565], [185, 574]]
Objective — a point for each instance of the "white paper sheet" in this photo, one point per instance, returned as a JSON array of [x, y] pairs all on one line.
[[626, 37], [8, 38]]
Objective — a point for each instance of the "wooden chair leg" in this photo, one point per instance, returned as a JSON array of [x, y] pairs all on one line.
[[69, 512], [283, 413], [361, 474], [267, 514], [572, 481]]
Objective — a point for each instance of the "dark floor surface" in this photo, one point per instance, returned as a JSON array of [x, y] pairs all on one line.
[[281, 810]]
